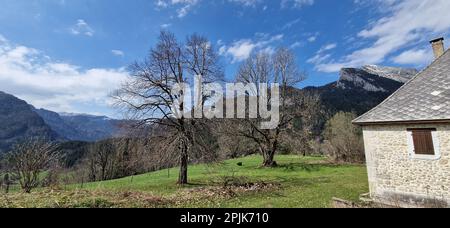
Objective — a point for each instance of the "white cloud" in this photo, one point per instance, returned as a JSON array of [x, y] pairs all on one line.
[[162, 3], [312, 39], [82, 28], [291, 23], [381, 5], [29, 74], [242, 49], [248, 3], [330, 67], [268, 50], [327, 47], [118, 53], [239, 50], [419, 57], [164, 26], [407, 23], [319, 58], [297, 44], [296, 3], [183, 6], [321, 54]]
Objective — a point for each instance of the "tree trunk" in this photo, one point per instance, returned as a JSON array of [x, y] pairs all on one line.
[[103, 173], [270, 155], [269, 159], [6, 183], [184, 159]]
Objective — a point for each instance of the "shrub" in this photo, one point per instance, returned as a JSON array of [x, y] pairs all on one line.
[[344, 140], [28, 160]]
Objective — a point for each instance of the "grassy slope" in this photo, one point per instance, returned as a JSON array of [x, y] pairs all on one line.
[[305, 182], [300, 182]]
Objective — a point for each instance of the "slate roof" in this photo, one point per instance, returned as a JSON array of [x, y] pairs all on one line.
[[425, 98]]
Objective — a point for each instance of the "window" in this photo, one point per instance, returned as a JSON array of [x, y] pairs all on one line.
[[423, 143]]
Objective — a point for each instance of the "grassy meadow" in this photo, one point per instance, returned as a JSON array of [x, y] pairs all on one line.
[[298, 182]]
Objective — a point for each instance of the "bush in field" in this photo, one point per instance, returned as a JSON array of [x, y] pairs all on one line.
[[28, 160], [343, 139]]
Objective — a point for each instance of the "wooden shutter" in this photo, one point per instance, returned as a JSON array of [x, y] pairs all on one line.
[[423, 141]]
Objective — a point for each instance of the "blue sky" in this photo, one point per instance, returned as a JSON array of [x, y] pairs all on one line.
[[68, 55]]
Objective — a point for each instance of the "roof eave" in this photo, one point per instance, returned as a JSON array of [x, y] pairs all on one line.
[[400, 122]]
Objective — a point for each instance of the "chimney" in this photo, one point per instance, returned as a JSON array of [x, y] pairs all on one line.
[[438, 47]]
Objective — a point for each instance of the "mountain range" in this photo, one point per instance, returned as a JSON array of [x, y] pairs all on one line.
[[357, 90], [80, 127], [20, 120]]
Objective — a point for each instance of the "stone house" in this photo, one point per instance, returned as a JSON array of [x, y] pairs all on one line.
[[407, 139]]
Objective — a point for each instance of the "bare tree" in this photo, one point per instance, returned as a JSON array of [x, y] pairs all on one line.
[[148, 97], [29, 159], [100, 160], [280, 68]]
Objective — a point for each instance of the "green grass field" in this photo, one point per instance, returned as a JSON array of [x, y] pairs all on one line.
[[299, 182]]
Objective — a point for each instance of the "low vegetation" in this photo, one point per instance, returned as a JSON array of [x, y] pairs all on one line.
[[28, 160], [343, 140], [296, 182]]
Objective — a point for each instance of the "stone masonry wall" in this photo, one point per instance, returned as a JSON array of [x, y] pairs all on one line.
[[397, 178]]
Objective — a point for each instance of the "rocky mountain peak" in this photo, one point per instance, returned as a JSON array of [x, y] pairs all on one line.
[[402, 75], [375, 78]]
